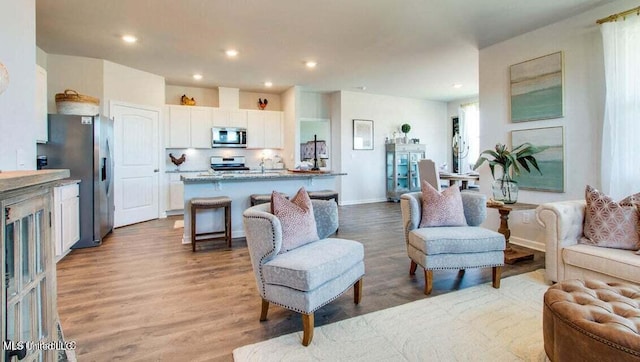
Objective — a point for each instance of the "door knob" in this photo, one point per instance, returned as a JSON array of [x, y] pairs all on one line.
[[156, 170]]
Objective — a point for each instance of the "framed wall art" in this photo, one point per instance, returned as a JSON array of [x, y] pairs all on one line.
[[537, 88], [362, 134], [550, 161]]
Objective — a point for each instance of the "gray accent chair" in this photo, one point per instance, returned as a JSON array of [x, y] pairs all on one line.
[[308, 277], [451, 247]]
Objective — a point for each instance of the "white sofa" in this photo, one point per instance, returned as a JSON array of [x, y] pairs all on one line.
[[566, 259]]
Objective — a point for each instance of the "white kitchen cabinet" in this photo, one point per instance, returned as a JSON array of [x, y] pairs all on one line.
[[41, 105], [264, 129], [229, 118], [176, 192], [66, 216], [201, 128], [189, 127]]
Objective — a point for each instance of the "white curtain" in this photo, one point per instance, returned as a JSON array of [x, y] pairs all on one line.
[[470, 129], [621, 130]]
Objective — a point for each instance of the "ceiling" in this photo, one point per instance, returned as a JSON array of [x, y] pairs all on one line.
[[408, 48]]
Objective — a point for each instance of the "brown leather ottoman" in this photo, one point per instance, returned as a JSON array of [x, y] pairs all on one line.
[[592, 321]]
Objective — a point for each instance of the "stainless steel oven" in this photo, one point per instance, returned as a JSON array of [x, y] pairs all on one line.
[[229, 137]]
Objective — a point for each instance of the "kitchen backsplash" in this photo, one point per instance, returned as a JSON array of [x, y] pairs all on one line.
[[198, 159]]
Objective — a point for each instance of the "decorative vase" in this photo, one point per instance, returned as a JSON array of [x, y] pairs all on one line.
[[505, 190]]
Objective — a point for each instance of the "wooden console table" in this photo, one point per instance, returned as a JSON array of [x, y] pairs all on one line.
[[511, 256]]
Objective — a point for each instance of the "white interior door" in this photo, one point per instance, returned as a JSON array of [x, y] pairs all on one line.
[[136, 173]]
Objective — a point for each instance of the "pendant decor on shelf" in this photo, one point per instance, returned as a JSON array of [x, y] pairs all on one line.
[[262, 104], [405, 128], [186, 101], [4, 78]]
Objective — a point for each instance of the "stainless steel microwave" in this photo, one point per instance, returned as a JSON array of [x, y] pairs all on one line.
[[229, 137]]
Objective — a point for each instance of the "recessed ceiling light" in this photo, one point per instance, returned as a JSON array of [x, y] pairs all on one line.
[[457, 85], [231, 53], [268, 84], [311, 64], [197, 76], [129, 39], [362, 87]]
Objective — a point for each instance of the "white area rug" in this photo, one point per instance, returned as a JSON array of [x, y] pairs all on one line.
[[474, 324], [178, 224]]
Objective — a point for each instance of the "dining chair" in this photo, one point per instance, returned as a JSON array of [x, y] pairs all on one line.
[[428, 171]]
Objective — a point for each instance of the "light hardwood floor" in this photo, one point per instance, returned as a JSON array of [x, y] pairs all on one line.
[[143, 296]]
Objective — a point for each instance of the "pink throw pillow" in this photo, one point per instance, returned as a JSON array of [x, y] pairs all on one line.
[[611, 224], [296, 218], [441, 209]]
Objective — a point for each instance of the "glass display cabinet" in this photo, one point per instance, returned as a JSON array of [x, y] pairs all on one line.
[[402, 169], [29, 317]]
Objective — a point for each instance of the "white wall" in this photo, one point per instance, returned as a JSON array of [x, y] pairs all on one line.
[[84, 75], [315, 105], [130, 85], [249, 100], [365, 181], [17, 103], [207, 97], [580, 40], [291, 110]]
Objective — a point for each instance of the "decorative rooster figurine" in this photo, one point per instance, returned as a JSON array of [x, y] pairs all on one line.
[[178, 161], [186, 101], [262, 104]]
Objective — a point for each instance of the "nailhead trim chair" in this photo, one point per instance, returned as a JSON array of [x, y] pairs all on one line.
[[451, 247], [305, 278]]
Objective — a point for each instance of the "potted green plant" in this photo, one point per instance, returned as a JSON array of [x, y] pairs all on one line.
[[405, 128], [512, 163]]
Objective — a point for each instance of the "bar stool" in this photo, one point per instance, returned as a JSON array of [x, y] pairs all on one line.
[[211, 203], [257, 199], [324, 195]]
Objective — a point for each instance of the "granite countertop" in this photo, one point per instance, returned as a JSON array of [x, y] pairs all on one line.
[[185, 171], [12, 180], [256, 176]]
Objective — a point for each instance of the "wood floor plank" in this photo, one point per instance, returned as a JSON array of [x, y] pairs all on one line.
[[143, 296]]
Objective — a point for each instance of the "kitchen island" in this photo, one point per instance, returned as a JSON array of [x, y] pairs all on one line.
[[239, 186]]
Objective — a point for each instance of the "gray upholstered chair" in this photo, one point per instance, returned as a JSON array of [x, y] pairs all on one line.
[[308, 277], [451, 247]]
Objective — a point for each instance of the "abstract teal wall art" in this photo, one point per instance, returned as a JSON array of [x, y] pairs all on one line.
[[537, 89], [550, 161]]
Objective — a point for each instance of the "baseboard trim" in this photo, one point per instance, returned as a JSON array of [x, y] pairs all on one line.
[[358, 202], [531, 244], [174, 212]]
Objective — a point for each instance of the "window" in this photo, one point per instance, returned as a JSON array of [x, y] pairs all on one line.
[[469, 140], [621, 130]]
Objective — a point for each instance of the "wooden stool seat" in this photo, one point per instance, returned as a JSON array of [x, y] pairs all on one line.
[[324, 195], [211, 203], [257, 199]]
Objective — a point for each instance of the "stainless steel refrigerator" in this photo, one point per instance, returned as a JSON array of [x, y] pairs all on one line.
[[84, 145]]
